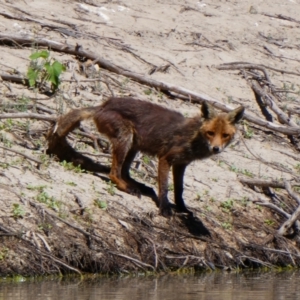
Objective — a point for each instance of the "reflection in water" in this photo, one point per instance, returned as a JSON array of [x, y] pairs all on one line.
[[225, 286]]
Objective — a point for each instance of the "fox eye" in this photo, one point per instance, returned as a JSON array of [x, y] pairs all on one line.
[[210, 133], [225, 135]]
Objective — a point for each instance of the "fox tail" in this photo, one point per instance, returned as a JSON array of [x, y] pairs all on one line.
[[58, 145], [71, 120]]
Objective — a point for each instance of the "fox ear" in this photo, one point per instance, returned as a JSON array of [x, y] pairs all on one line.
[[208, 112], [236, 115]]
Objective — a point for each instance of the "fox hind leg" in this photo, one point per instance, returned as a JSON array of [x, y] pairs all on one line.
[[122, 158], [142, 188]]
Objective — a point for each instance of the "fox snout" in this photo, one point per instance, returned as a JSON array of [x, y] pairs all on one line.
[[216, 149]]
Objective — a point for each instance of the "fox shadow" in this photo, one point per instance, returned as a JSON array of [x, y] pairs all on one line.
[[192, 223], [59, 147]]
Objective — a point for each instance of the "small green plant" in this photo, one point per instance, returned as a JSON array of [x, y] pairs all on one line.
[[227, 205], [111, 188], [297, 167], [234, 168], [22, 104], [101, 204], [43, 68], [198, 197], [70, 167], [208, 208], [39, 188], [258, 207], [249, 133], [226, 225], [147, 92], [269, 222], [244, 201], [146, 159], [18, 211], [247, 173], [71, 183], [50, 201], [171, 187], [3, 253], [44, 226], [7, 125]]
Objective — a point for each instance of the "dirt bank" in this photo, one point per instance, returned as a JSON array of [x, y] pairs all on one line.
[[58, 218]]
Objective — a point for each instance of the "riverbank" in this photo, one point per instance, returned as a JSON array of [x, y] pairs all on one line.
[[57, 218]]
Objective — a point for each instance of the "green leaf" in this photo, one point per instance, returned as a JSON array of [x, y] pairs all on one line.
[[54, 71], [58, 68], [32, 76], [40, 54]]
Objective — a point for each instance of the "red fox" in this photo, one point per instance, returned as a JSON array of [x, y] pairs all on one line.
[[134, 125]]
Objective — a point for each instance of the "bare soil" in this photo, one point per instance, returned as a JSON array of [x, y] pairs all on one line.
[[57, 218]]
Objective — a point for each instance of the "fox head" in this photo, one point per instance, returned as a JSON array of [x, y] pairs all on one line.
[[219, 129]]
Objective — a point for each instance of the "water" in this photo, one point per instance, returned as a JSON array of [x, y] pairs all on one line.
[[212, 286]]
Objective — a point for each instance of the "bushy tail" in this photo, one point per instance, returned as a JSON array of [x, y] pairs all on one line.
[[71, 120], [58, 145]]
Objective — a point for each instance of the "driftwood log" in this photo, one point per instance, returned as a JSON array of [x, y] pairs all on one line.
[[160, 85]]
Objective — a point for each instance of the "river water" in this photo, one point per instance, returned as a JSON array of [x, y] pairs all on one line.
[[208, 286]]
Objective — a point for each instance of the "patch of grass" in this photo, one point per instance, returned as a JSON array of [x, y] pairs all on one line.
[[39, 188], [101, 204], [70, 167], [111, 188], [269, 222], [227, 205], [198, 197], [71, 183], [171, 187], [148, 92], [50, 201], [146, 159], [3, 253], [45, 227], [226, 225], [18, 211], [22, 104], [245, 172]]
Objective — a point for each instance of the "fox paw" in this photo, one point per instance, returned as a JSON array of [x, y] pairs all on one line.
[[183, 209], [166, 211]]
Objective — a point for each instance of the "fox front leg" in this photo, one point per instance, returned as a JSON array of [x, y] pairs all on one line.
[[178, 173], [163, 173]]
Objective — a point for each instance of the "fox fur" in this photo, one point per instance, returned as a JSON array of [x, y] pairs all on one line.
[[134, 125]]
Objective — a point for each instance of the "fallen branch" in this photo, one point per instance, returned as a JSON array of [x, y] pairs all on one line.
[[282, 17], [22, 154], [269, 101], [283, 230], [162, 86], [265, 183], [291, 219], [249, 66], [28, 116], [133, 259]]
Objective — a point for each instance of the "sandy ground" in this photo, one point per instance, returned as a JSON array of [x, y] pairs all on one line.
[[188, 38]]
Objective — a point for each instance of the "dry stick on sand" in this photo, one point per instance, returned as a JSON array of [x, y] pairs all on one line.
[[268, 98], [269, 101], [291, 219], [246, 65], [22, 154], [162, 86], [283, 230]]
